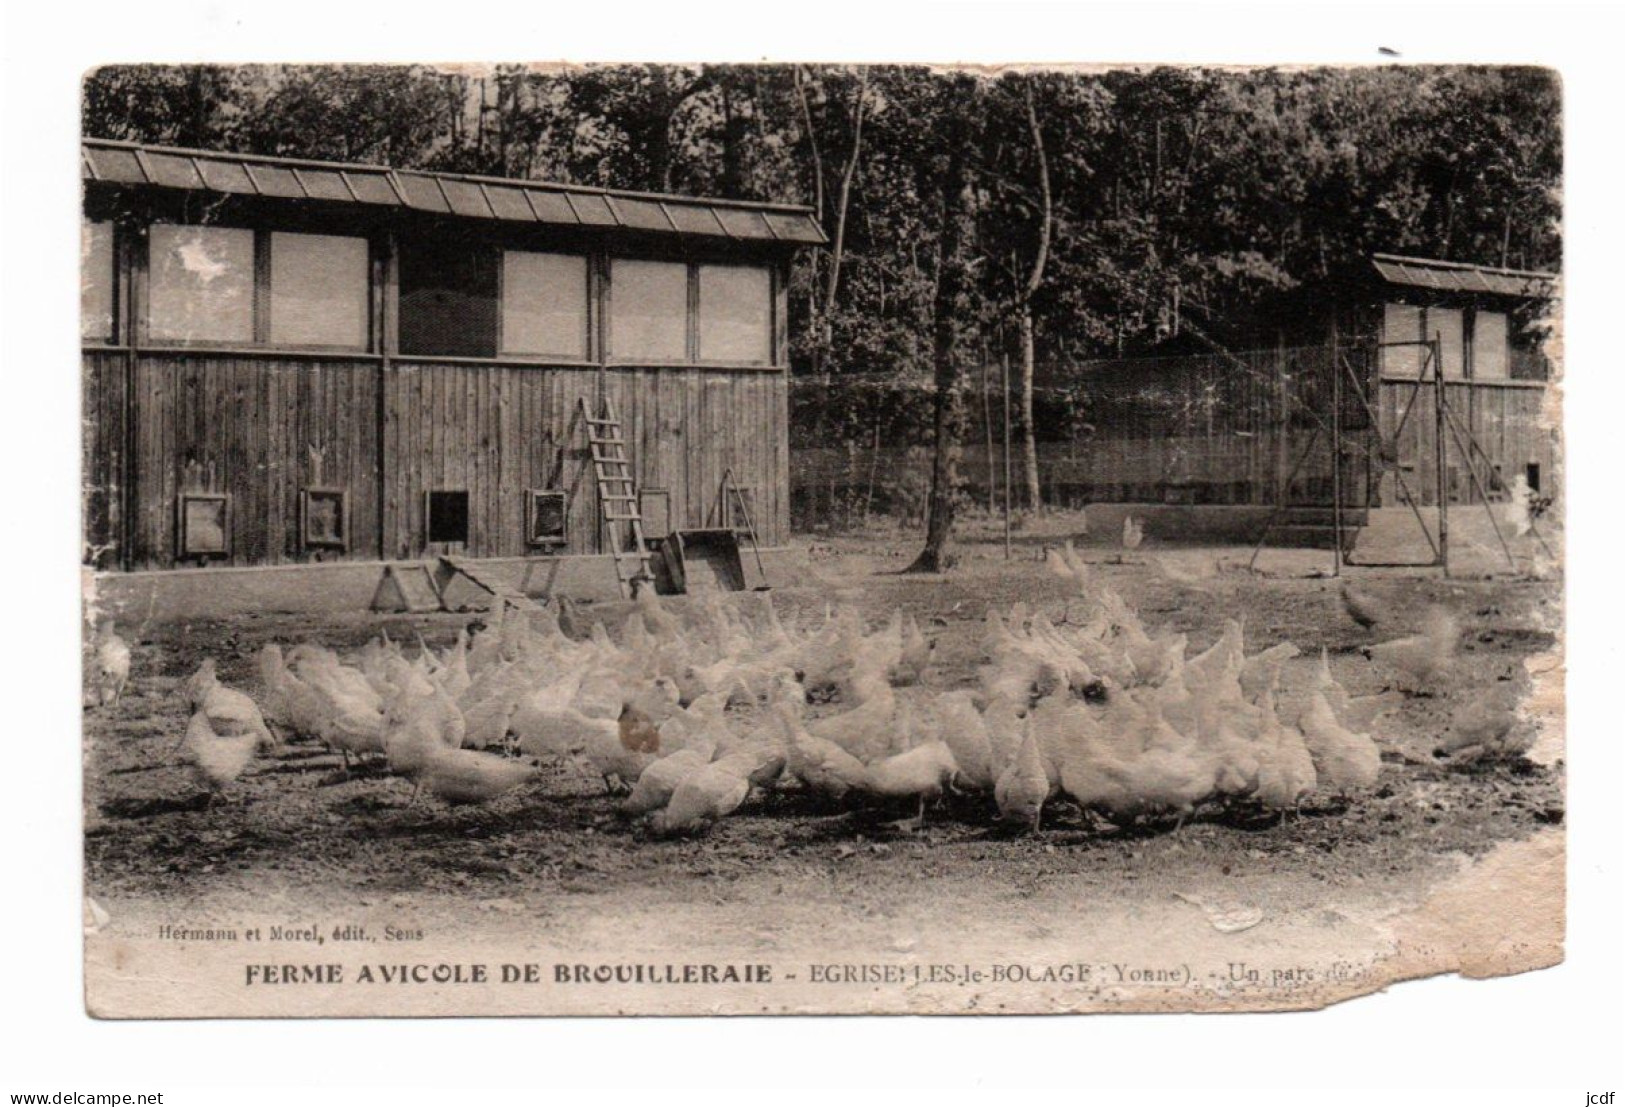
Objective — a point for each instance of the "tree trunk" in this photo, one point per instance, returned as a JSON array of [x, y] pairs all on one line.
[[198, 102], [1032, 495], [658, 145], [987, 428], [948, 420], [733, 170], [814, 328], [812, 143], [839, 246], [949, 308]]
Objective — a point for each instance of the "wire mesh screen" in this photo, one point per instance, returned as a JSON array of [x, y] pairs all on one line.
[[1211, 429]]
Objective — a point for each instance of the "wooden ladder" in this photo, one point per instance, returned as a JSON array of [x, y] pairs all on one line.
[[618, 498]]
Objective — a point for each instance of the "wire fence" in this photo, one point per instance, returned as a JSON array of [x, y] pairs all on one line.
[[1224, 429]]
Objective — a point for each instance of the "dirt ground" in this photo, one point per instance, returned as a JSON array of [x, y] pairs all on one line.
[[298, 833]]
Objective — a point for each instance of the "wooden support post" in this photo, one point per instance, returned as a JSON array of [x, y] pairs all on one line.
[[1440, 454], [1004, 362], [1337, 461], [387, 331], [1463, 436], [987, 420], [1281, 422], [1275, 512], [128, 241]]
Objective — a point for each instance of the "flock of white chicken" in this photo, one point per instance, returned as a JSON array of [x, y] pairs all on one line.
[[686, 719]]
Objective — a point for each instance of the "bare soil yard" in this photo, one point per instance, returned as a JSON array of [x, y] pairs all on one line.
[[555, 858]]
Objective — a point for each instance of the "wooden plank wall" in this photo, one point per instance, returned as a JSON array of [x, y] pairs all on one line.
[[1506, 422], [260, 429], [494, 431], [497, 430], [102, 443], [688, 427]]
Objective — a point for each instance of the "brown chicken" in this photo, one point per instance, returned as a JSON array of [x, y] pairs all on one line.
[[638, 732]]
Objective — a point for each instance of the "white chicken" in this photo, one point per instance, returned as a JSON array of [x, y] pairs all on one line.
[[1198, 576], [703, 797], [761, 763], [1345, 762], [353, 732], [600, 694], [921, 772], [1221, 664], [274, 697], [111, 665], [216, 759], [351, 726], [1003, 720], [556, 730], [1354, 712], [1093, 757], [1024, 785], [1262, 670], [459, 776], [1420, 661], [599, 742], [702, 723], [1173, 772], [1486, 727], [485, 642], [869, 731], [817, 762], [1025, 666], [453, 676], [1234, 731], [913, 656], [490, 704], [657, 700], [1133, 533], [349, 690], [657, 782], [543, 720], [417, 728], [1519, 517], [230, 713], [1286, 771], [657, 619], [966, 733], [1065, 563]]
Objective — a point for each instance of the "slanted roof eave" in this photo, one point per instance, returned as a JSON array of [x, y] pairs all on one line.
[[787, 226]]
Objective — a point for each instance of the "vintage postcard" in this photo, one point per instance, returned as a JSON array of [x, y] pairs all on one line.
[[762, 539]]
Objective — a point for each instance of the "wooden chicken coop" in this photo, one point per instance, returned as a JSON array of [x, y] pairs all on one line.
[[1485, 328], [291, 362], [1226, 440]]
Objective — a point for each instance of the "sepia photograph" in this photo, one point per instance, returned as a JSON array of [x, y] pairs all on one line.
[[792, 538]]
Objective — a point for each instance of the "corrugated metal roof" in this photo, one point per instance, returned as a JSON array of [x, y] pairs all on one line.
[[275, 180], [323, 184], [516, 201], [1452, 276], [509, 203]]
